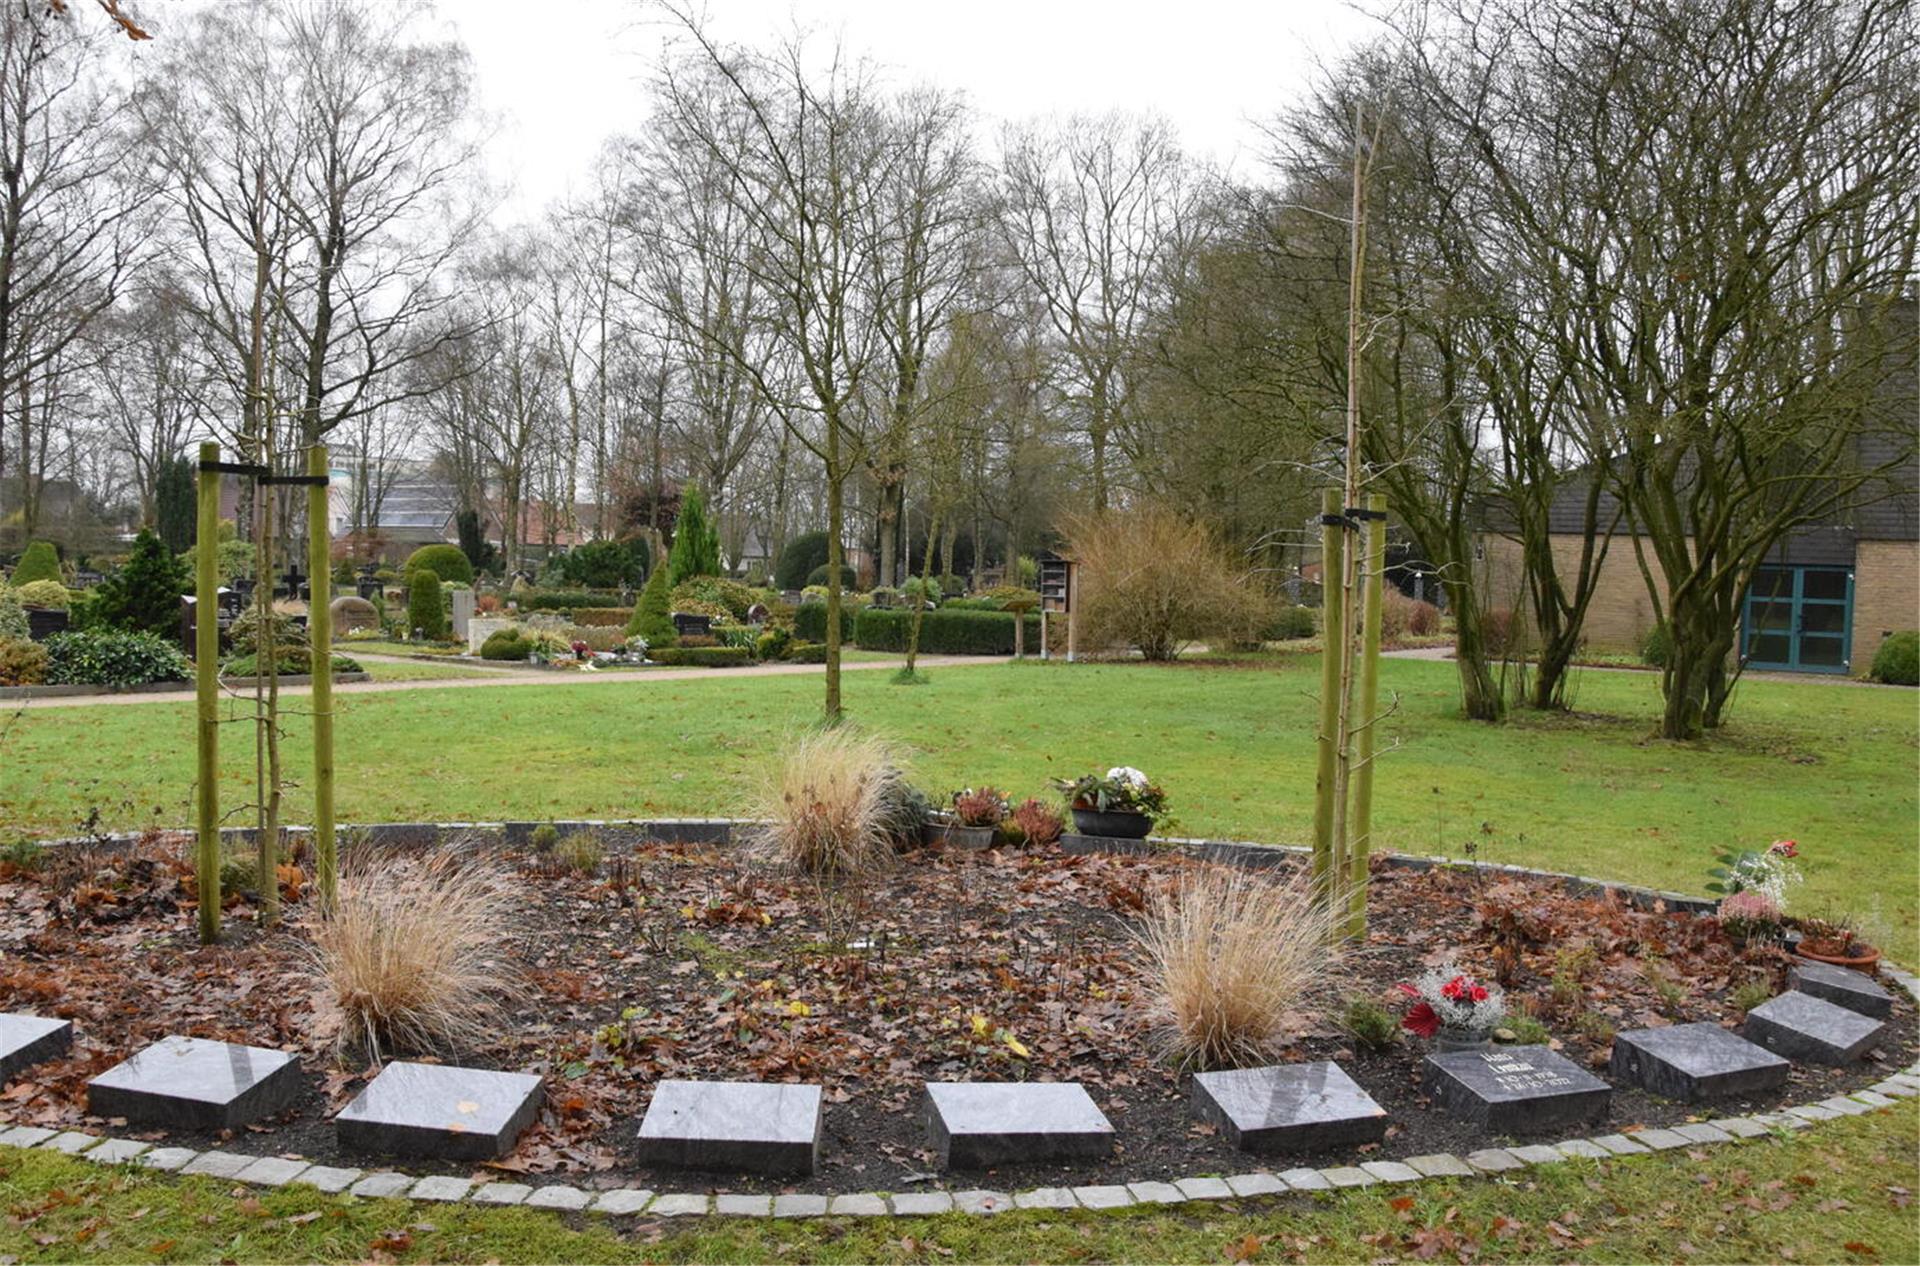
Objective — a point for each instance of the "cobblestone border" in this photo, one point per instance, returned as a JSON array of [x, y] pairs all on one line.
[[275, 1171]]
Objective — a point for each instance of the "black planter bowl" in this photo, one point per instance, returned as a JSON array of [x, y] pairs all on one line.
[[1113, 826]]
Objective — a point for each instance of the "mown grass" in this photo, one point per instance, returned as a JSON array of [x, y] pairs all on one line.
[[1831, 765], [1842, 1192]]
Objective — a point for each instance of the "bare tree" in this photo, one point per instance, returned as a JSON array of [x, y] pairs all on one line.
[[1093, 211]]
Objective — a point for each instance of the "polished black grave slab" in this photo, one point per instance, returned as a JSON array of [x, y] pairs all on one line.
[[1843, 987], [1289, 1107], [974, 1124], [1517, 1089], [190, 1083], [26, 1040], [1695, 1061], [733, 1126], [1801, 1026], [440, 1111]]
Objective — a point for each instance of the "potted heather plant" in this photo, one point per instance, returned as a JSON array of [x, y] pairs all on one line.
[[974, 821], [1119, 804], [1750, 917], [1836, 941], [1456, 1011]]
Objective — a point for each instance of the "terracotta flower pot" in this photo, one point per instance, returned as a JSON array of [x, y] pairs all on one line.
[[1864, 959]]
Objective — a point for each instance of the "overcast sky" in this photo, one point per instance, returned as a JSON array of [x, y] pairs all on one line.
[[560, 75]]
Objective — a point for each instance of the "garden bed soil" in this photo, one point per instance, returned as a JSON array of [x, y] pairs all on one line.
[[684, 961]]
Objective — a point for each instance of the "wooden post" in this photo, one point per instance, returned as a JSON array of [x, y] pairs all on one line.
[[1326, 883], [320, 634], [1073, 613], [1373, 565], [206, 664], [1043, 632]]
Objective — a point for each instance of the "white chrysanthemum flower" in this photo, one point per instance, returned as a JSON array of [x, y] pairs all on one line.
[[1129, 775]]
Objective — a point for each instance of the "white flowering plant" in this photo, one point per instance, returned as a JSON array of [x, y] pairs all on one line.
[[1769, 872], [1122, 789], [1450, 999]]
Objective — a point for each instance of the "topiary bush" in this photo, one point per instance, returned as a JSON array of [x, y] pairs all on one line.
[[798, 560], [1292, 621], [426, 604], [606, 564], [1897, 662], [818, 576], [22, 663], [50, 594], [506, 644], [145, 593], [113, 657], [601, 617], [713, 594], [653, 613], [40, 562], [444, 561]]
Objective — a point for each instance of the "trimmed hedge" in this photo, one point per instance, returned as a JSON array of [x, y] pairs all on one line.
[[426, 604], [566, 600], [702, 656], [444, 561], [943, 632], [600, 617], [506, 644], [295, 661], [805, 653], [810, 622]]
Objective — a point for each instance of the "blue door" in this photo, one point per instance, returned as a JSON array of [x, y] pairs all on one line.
[[1799, 619]]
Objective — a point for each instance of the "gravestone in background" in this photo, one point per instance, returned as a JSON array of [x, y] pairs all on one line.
[[1843, 987], [26, 1040], [439, 1111]]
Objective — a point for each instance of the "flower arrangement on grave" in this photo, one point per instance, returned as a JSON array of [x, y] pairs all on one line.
[[1122, 789], [1836, 941], [1750, 915], [1454, 1005], [1769, 871], [986, 806], [1122, 802], [637, 648]]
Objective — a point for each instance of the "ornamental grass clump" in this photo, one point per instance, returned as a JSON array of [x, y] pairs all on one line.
[[831, 803], [1233, 960], [411, 953]]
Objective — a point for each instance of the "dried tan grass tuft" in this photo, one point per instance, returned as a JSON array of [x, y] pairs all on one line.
[[412, 954], [1231, 959], [831, 803]]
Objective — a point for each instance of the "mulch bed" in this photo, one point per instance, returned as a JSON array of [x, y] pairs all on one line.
[[680, 961]]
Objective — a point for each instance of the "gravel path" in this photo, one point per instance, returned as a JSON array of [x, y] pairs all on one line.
[[506, 678]]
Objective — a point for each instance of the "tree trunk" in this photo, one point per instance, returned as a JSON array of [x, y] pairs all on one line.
[[835, 560], [1480, 695]]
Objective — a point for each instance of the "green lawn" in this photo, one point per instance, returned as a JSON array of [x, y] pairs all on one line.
[[1830, 765], [1840, 1193], [420, 670]]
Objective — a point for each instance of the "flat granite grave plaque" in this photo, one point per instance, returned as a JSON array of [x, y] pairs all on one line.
[[1843, 987], [974, 1124], [1289, 1107], [733, 1126], [439, 1111], [1695, 1061], [26, 1040], [193, 1084], [1801, 1026], [1517, 1089]]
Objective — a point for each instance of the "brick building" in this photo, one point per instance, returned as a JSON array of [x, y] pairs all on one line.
[[1827, 594]]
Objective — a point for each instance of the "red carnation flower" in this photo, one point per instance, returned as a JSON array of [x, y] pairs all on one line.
[[1479, 993], [1421, 1019], [1785, 848]]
